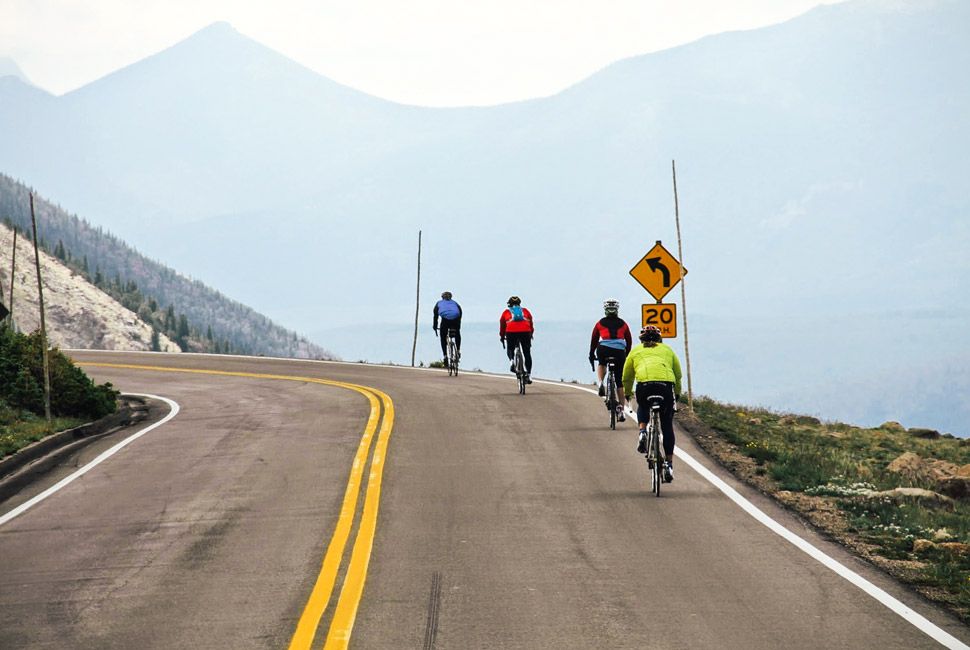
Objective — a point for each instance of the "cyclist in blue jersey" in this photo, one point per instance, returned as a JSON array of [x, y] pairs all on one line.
[[449, 312]]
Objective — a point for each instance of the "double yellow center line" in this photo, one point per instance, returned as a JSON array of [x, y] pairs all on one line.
[[345, 612]]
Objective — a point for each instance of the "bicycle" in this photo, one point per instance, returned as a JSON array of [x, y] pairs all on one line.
[[612, 399], [655, 447], [518, 362], [451, 348]]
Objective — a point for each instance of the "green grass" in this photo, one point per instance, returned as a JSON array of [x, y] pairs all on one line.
[[842, 463], [20, 428]]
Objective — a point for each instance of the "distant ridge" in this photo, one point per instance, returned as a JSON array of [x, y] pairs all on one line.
[[214, 317]]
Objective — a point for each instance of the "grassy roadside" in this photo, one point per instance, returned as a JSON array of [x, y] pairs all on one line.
[[899, 498], [20, 428]]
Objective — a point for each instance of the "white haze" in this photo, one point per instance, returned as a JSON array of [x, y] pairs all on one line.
[[821, 162]]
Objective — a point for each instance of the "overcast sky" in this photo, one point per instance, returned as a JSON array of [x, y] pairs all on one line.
[[427, 52]]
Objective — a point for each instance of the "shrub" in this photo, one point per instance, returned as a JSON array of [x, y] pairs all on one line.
[[73, 393]]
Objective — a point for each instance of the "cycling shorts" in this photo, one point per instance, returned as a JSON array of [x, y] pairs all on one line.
[[605, 354]]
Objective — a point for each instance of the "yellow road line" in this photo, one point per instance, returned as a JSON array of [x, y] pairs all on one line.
[[352, 590], [345, 614]]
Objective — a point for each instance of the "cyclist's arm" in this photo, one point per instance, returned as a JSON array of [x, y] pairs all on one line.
[[501, 325], [629, 374], [675, 366], [435, 324], [593, 342], [528, 317], [627, 337]]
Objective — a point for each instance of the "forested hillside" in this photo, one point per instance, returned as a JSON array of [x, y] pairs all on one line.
[[198, 318]]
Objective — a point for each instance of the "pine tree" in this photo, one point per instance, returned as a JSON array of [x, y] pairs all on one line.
[[182, 335]]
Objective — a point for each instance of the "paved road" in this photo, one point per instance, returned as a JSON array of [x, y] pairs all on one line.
[[504, 522]]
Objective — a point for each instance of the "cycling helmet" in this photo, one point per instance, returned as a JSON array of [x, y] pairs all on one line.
[[514, 300], [446, 295], [611, 306], [650, 333]]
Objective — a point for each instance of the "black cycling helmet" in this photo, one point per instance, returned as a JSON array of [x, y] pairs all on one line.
[[611, 306], [446, 295], [651, 333], [514, 300]]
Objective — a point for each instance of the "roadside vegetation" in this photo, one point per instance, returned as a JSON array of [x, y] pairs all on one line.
[[898, 497], [75, 399]]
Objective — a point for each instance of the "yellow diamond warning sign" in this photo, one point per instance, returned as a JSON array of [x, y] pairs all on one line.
[[658, 272]]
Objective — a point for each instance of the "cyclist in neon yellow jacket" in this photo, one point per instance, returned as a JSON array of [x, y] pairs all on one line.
[[656, 369]]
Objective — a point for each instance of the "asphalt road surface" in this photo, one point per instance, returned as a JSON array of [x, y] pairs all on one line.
[[504, 521]]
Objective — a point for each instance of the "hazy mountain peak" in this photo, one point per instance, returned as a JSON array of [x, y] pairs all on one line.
[[9, 68]]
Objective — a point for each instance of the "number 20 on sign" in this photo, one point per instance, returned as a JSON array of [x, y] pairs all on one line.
[[664, 316]]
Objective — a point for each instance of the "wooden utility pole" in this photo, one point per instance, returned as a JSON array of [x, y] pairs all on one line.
[[417, 304], [683, 289], [43, 322], [13, 269]]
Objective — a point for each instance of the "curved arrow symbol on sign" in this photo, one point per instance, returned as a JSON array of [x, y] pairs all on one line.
[[656, 265]]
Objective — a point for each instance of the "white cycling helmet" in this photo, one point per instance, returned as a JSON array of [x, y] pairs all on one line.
[[611, 305]]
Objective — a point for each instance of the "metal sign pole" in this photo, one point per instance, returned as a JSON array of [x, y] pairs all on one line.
[[417, 304], [683, 290]]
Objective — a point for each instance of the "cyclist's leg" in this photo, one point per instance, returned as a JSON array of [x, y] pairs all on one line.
[[618, 359], [643, 411], [667, 421], [526, 341], [457, 334], [443, 334], [511, 345]]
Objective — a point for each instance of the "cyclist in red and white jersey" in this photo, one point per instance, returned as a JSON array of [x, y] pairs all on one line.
[[611, 341]]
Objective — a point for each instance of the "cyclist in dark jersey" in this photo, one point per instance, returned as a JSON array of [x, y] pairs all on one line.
[[449, 312], [611, 341]]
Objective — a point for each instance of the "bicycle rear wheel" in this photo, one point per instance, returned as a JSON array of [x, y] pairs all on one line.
[[611, 399], [452, 358], [520, 369], [656, 443]]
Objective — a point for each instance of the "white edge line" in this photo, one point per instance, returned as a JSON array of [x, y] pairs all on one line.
[[918, 620], [103, 456]]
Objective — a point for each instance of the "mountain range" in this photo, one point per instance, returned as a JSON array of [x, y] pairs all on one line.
[[821, 166]]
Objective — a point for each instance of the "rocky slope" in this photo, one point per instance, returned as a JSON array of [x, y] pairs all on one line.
[[78, 314]]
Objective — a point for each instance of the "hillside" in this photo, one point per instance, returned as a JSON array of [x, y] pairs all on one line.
[[78, 314], [213, 317]]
